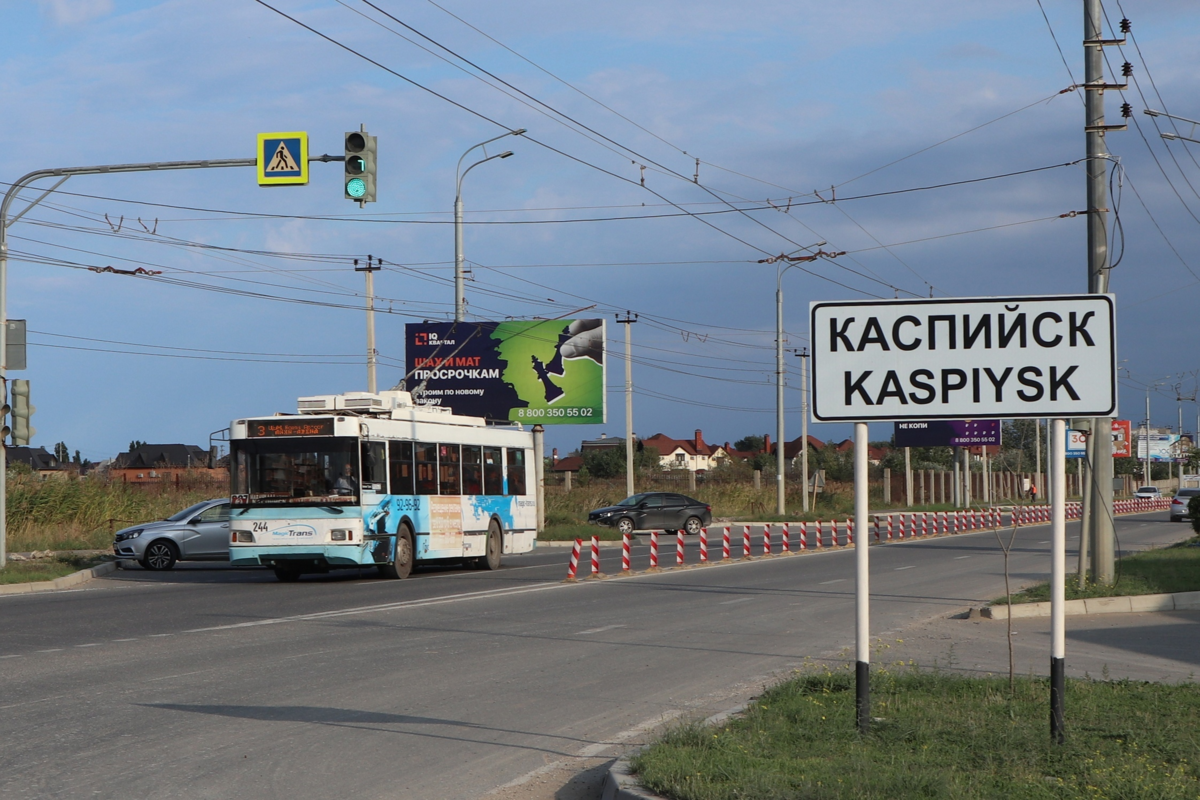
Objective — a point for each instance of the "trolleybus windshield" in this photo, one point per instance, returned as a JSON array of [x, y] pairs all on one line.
[[295, 471]]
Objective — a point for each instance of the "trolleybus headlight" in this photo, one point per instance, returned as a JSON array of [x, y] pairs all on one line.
[[340, 534], [243, 537]]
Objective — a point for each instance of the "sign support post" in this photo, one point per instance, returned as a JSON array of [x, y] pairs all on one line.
[[862, 593], [1058, 576]]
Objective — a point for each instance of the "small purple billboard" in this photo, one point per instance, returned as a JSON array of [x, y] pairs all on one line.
[[948, 433]]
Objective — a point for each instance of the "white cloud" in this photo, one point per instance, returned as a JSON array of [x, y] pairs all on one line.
[[72, 12]]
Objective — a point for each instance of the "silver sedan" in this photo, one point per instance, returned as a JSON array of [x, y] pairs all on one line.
[[198, 533]]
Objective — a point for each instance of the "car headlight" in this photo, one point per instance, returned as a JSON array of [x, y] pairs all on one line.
[[133, 534]]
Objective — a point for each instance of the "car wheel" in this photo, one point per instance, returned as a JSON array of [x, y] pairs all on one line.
[[1176, 519], [402, 566], [160, 555], [287, 574], [692, 526], [624, 525]]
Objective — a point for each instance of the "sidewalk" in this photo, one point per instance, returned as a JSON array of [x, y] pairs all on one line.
[[1150, 646]]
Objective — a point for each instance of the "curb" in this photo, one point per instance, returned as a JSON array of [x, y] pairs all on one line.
[[1177, 601], [65, 582]]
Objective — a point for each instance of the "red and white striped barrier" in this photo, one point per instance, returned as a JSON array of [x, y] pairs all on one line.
[[817, 530], [833, 534], [625, 537], [787, 537], [574, 565], [924, 524], [766, 543], [745, 541], [725, 544], [849, 532], [679, 548], [889, 529], [653, 549], [803, 535], [704, 545], [595, 556]]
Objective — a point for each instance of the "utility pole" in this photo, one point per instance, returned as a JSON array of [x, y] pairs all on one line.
[[1037, 449], [804, 426], [1097, 234], [780, 464], [627, 322], [370, 269]]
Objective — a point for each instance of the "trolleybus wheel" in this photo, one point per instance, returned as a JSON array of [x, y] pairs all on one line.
[[493, 548], [402, 566]]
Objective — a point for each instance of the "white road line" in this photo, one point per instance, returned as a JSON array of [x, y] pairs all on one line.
[[158, 635], [12, 656], [599, 630], [959, 558], [125, 640], [731, 602], [51, 650], [835, 580], [454, 598], [910, 566], [93, 644]]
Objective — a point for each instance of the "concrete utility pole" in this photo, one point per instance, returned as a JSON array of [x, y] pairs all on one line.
[[370, 269], [460, 301], [629, 320], [804, 424], [1103, 556]]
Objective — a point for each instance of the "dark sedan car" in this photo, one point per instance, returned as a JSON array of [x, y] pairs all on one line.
[[654, 511]]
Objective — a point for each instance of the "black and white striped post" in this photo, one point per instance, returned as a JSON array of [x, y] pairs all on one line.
[[862, 592], [1058, 577]]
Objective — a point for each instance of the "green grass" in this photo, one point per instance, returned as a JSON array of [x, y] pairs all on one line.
[[45, 569], [1170, 569], [569, 532], [941, 736]]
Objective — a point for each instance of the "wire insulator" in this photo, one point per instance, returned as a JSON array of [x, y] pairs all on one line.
[[1127, 69], [1126, 25]]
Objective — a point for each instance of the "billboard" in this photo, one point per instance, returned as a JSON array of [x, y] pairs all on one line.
[[1076, 443], [533, 371], [1157, 446], [948, 433], [964, 358], [1121, 438]]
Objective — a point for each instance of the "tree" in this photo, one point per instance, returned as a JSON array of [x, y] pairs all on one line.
[[610, 461], [62, 453], [135, 444], [751, 444]]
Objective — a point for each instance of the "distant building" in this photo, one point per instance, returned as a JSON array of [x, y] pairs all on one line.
[[37, 459], [153, 463], [694, 455]]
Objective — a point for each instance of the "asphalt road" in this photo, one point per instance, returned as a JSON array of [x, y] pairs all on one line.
[[206, 682]]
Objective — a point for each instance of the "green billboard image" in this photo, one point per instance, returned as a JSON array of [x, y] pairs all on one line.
[[532, 371]]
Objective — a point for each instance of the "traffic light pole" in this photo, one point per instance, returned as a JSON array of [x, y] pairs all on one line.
[[63, 173]]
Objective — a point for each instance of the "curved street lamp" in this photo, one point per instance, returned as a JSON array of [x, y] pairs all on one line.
[[460, 303]]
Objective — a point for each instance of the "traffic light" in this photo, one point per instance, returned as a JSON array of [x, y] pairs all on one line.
[[22, 431], [360, 167], [4, 409]]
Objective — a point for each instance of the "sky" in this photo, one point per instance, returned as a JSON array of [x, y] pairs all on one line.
[[671, 146]]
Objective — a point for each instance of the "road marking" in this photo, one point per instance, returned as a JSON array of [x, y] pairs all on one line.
[[959, 558], [1045, 542], [835, 580], [12, 656], [181, 675], [154, 635], [599, 630], [910, 566], [731, 602], [125, 640], [346, 612], [51, 650], [93, 644]]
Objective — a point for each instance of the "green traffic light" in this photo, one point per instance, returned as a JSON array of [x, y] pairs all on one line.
[[356, 187]]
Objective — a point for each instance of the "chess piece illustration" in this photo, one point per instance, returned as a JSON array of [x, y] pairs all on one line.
[[553, 392]]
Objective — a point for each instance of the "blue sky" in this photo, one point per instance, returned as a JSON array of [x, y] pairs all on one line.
[[776, 99]]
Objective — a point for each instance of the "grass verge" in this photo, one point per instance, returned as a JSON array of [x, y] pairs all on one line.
[[46, 569], [569, 532], [939, 736], [1169, 569]]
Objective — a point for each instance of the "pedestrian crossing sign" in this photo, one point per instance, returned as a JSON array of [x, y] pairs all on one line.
[[282, 158]]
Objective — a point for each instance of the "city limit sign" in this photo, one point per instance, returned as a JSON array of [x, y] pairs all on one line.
[[964, 358]]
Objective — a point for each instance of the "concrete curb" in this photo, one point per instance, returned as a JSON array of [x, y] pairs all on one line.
[[65, 582], [621, 784], [1178, 601]]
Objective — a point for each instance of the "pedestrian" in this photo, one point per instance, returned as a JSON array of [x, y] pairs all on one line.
[[1032, 492]]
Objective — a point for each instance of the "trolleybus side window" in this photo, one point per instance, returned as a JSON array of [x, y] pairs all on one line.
[[426, 462], [472, 469], [493, 470], [374, 466], [401, 467], [449, 477], [516, 471]]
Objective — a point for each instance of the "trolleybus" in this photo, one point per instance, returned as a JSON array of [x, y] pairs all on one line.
[[372, 479]]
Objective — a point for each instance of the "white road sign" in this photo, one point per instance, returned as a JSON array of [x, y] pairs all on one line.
[[964, 358]]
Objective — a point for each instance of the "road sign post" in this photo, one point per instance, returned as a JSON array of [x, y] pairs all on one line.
[[965, 358]]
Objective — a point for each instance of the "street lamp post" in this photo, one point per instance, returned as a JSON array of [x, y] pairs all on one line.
[[780, 486], [460, 303]]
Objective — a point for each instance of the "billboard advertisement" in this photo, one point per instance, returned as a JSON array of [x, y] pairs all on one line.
[[1159, 446], [532, 371], [1122, 439], [948, 433]]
